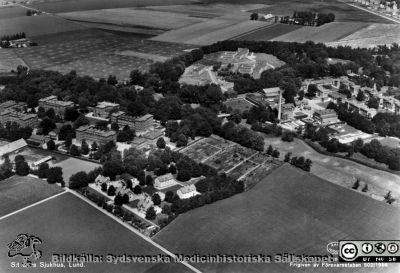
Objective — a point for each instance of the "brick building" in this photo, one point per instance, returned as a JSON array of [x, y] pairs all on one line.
[[23, 119], [7, 105], [139, 124], [91, 134], [59, 106], [324, 117], [104, 109]]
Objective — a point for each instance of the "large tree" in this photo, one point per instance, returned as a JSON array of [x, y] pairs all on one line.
[[78, 180], [55, 175]]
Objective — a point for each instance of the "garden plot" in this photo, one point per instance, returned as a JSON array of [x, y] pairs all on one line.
[[201, 151]]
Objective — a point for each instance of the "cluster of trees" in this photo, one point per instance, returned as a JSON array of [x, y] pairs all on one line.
[[5, 40], [124, 135], [382, 154], [12, 131], [266, 128], [353, 118], [308, 18], [273, 152], [242, 135], [31, 12], [195, 122], [299, 162], [16, 36], [6, 169], [386, 124], [212, 189], [374, 149], [82, 179], [260, 114], [53, 174]]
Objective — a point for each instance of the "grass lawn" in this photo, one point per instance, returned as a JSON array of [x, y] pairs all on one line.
[[337, 170], [67, 224], [392, 142], [17, 192], [289, 211], [72, 166]]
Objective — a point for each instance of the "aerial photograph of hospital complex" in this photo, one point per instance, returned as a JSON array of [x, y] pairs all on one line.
[[215, 136]]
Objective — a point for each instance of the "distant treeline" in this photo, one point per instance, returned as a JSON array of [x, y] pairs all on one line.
[[13, 37]]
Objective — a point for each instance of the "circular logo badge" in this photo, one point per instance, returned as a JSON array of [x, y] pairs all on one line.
[[392, 248], [349, 251], [380, 248], [367, 248], [332, 248]]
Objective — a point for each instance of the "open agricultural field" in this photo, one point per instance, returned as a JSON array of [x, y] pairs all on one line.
[[12, 12], [67, 224], [17, 192], [210, 10], [96, 56], [323, 34], [134, 17], [227, 32], [57, 6], [183, 35], [269, 32], [288, 211], [9, 60], [260, 172], [371, 36], [37, 25]]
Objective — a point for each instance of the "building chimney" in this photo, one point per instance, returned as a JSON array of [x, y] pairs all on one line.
[[280, 105]]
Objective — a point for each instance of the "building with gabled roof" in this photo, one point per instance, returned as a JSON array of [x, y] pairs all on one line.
[[187, 191], [144, 204], [164, 181], [13, 147], [100, 179]]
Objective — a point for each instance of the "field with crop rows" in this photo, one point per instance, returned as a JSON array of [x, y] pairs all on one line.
[[97, 55], [269, 32], [9, 61], [227, 33], [325, 33], [185, 34]]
